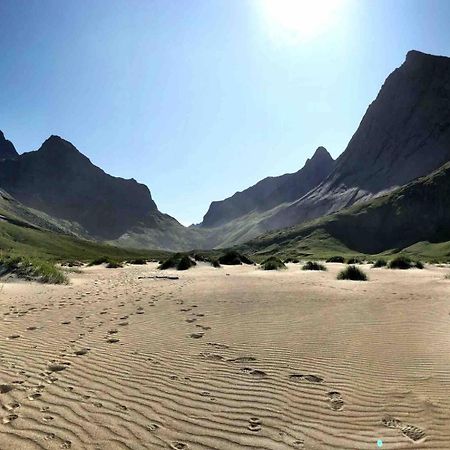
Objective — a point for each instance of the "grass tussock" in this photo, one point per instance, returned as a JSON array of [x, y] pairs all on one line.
[[178, 261], [312, 265], [291, 260], [32, 269], [273, 263], [352, 273], [379, 263], [404, 263], [336, 259], [137, 261], [114, 265], [215, 263], [354, 260], [234, 258]]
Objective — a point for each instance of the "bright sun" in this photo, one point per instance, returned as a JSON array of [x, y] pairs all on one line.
[[301, 19]]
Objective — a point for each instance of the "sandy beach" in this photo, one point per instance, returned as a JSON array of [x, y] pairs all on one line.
[[226, 358]]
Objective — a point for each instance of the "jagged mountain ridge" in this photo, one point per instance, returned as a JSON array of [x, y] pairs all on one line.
[[271, 191], [60, 181], [404, 134]]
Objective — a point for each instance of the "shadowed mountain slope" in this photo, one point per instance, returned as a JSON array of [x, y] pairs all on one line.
[[404, 134], [414, 213]]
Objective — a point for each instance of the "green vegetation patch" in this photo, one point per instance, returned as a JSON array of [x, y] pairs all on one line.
[[336, 259], [379, 263], [234, 258], [404, 263], [177, 261], [352, 273], [273, 263], [32, 269], [313, 265]]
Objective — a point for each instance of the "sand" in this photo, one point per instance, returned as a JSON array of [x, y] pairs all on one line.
[[226, 358]]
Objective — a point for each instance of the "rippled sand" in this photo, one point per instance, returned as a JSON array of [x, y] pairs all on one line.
[[226, 358]]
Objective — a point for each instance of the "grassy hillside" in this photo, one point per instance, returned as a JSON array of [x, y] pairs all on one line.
[[24, 231], [414, 219]]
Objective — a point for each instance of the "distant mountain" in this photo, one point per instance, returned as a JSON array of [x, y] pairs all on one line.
[[404, 134], [415, 214], [7, 149], [271, 191], [63, 183]]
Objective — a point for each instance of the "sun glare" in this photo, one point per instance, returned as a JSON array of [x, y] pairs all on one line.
[[301, 19]]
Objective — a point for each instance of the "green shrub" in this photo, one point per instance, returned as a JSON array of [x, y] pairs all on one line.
[[291, 260], [114, 265], [185, 263], [32, 269], [379, 263], [312, 265], [177, 261], [354, 260], [336, 259], [234, 258], [100, 260], [215, 263], [352, 273], [401, 262], [137, 261], [419, 265], [273, 263]]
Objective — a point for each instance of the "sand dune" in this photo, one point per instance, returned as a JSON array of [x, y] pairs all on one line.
[[226, 358]]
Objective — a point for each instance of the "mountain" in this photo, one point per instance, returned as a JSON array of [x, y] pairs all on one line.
[[417, 214], [271, 191], [60, 181], [7, 149], [404, 134]]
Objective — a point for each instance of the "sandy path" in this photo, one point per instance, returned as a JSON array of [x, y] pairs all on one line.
[[261, 360]]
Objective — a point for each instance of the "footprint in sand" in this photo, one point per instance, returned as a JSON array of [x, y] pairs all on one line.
[[81, 352], [31, 328], [34, 396], [57, 367], [13, 336], [11, 406], [254, 372], [197, 335], [178, 445], [152, 427], [335, 399], [242, 359], [9, 418], [310, 378], [254, 424], [66, 444], [410, 431], [112, 340], [5, 388]]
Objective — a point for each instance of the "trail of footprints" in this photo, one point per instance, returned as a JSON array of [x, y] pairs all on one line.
[[112, 336]]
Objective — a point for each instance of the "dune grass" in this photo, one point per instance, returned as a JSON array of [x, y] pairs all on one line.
[[33, 269], [234, 258], [379, 263], [273, 263], [336, 259], [178, 261], [403, 263], [352, 273], [312, 265]]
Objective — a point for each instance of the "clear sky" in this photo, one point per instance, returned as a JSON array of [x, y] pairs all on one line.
[[201, 98]]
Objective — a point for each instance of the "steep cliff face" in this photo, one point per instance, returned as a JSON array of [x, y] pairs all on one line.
[[7, 149], [60, 181], [404, 134], [271, 192]]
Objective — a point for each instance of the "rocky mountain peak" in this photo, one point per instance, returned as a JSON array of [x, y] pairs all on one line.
[[7, 149]]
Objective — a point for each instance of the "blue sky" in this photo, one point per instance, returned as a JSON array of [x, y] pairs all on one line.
[[201, 98]]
